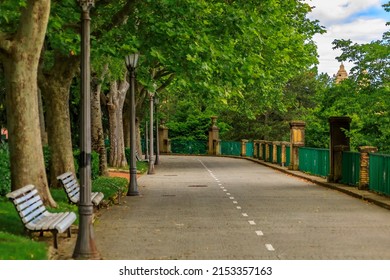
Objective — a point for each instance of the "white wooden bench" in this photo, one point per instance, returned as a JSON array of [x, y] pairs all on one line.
[[34, 215], [72, 189]]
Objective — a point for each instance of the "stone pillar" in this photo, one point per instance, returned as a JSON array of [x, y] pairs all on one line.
[[243, 147], [275, 151], [297, 139], [163, 140], [284, 155], [267, 151], [339, 142], [256, 148], [364, 179], [214, 141], [261, 154]]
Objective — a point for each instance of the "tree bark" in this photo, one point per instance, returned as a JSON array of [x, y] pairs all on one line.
[[20, 54], [42, 119], [55, 85], [116, 99], [97, 133]]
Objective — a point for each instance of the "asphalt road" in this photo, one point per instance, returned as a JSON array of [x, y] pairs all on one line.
[[207, 208]]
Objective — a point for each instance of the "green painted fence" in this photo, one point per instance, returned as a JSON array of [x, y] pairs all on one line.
[[249, 149], [189, 147], [379, 173], [314, 161], [350, 168], [231, 148], [288, 156]]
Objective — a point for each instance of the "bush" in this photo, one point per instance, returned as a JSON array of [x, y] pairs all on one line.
[[109, 186], [5, 170], [94, 163]]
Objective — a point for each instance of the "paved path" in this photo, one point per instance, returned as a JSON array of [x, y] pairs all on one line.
[[223, 208]]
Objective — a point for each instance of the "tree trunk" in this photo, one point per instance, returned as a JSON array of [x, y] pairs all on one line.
[[55, 85], [19, 54], [42, 120], [97, 133], [115, 104], [126, 125]]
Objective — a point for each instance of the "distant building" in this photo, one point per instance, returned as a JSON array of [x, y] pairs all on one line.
[[341, 74]]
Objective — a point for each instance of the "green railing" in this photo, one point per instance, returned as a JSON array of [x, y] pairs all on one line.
[[350, 168], [249, 149], [230, 148], [279, 154], [288, 156], [314, 161], [189, 147], [379, 173]]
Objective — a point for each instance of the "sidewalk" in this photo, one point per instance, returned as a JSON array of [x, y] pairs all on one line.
[[366, 195]]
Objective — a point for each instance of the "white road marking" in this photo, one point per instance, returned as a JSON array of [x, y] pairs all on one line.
[[259, 233], [235, 202], [231, 197], [252, 223], [269, 247], [219, 184], [245, 214], [228, 193], [225, 190], [239, 207]]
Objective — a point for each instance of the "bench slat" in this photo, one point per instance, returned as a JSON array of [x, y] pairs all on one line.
[[27, 203], [18, 192], [33, 215], [62, 176], [25, 197]]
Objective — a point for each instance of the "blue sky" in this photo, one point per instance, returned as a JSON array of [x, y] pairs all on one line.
[[362, 21]]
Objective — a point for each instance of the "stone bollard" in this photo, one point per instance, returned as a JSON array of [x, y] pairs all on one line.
[[364, 179], [267, 151], [256, 148], [284, 154], [243, 147], [261, 153], [214, 141], [297, 139], [275, 145]]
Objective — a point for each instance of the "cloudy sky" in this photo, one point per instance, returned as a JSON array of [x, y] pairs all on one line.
[[362, 21]]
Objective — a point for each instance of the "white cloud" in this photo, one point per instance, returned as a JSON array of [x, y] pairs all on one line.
[[339, 18]]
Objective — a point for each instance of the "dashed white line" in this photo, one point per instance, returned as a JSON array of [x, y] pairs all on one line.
[[228, 193], [245, 214], [269, 247], [239, 207], [231, 197], [252, 223], [225, 190], [259, 233], [235, 202]]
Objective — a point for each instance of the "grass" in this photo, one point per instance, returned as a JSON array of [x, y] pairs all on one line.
[[16, 245]]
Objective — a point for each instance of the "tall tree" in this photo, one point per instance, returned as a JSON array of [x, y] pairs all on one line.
[[20, 50]]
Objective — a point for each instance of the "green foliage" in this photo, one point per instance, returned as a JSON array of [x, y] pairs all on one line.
[[5, 178], [94, 163]]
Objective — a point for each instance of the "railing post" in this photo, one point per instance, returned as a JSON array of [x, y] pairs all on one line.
[[163, 141], [364, 179], [214, 147], [267, 151], [339, 142], [275, 151], [256, 148], [283, 153], [297, 139], [243, 147], [261, 154]]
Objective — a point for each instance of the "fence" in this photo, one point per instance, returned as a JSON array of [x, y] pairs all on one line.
[[189, 147], [350, 168], [314, 161], [379, 173], [230, 148]]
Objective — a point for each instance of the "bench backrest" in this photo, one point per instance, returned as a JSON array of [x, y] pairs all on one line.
[[71, 186], [28, 203]]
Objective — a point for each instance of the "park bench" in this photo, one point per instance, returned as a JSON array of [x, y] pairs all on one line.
[[72, 189], [34, 215]]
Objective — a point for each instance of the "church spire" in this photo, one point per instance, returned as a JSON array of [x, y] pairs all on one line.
[[341, 74]]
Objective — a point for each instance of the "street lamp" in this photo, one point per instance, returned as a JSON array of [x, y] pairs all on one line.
[[85, 244], [157, 161], [131, 64], [151, 148]]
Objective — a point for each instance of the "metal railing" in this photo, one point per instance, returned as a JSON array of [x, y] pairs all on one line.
[[350, 168], [189, 147], [230, 148], [314, 161], [379, 173]]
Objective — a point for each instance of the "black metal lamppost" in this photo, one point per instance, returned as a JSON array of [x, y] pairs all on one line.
[[151, 143], [85, 244], [131, 64], [157, 161]]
